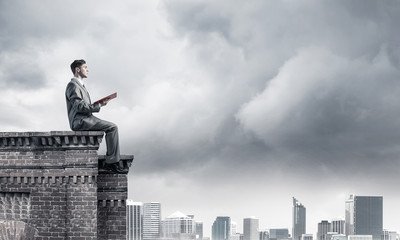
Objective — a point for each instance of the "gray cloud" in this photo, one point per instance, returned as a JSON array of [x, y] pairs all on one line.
[[319, 101], [335, 103], [21, 72]]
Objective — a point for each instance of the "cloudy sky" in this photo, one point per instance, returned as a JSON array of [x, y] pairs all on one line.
[[231, 108]]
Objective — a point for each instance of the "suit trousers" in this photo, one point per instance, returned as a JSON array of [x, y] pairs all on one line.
[[93, 123]]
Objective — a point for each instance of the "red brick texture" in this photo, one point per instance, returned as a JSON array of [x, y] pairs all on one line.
[[50, 188]]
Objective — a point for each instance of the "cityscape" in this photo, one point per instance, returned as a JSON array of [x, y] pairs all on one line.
[[363, 221]]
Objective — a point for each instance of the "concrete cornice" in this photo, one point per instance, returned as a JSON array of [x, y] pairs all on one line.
[[54, 140]]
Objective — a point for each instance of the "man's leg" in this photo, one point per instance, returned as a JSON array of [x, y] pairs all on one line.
[[112, 138]]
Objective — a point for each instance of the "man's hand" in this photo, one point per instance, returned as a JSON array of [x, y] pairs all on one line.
[[103, 103]]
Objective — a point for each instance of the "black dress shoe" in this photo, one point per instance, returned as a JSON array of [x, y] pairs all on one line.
[[116, 168]]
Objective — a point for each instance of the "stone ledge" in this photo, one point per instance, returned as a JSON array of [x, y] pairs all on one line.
[[54, 140], [126, 160], [42, 167]]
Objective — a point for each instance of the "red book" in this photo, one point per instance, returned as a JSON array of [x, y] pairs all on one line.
[[111, 96]]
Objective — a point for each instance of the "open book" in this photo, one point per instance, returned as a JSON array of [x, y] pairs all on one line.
[[111, 96]]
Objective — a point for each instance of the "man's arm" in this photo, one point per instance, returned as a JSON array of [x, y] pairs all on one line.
[[75, 96]]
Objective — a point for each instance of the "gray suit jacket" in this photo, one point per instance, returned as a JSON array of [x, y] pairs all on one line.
[[79, 106]]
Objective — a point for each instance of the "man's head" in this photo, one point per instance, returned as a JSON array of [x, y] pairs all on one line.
[[79, 68]]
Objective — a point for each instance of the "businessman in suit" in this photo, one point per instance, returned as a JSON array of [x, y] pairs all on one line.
[[80, 115]]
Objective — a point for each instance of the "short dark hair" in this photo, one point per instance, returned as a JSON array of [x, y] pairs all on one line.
[[77, 63]]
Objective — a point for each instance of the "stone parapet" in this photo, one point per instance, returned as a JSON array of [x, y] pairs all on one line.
[[51, 186], [65, 140]]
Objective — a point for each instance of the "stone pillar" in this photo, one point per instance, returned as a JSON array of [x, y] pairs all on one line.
[[49, 185], [112, 195]]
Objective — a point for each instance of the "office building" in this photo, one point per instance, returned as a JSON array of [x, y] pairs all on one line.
[[338, 226], [364, 216], [199, 230], [233, 228], [339, 237], [359, 237], [263, 235], [299, 220], [236, 236], [279, 234], [134, 220], [151, 220], [389, 235], [306, 237], [323, 228], [250, 228], [178, 226], [221, 228]]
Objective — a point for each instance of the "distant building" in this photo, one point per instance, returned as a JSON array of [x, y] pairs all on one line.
[[364, 216], [279, 234], [263, 235], [221, 228], [306, 237], [134, 221], [299, 220], [151, 221], [339, 237], [338, 226], [236, 236], [250, 228], [199, 230], [233, 228], [359, 237], [329, 235], [389, 235], [178, 226], [323, 228]]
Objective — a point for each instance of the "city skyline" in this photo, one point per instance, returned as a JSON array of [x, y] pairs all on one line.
[[223, 103], [367, 220]]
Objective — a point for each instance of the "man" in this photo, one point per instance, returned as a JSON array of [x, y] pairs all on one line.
[[80, 115]]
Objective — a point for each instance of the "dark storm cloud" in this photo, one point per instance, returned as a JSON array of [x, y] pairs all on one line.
[[328, 74], [333, 109]]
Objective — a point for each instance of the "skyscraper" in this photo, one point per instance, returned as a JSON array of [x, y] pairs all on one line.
[[323, 228], [299, 220], [151, 220], [338, 226], [250, 228], [364, 216], [221, 228], [134, 220]]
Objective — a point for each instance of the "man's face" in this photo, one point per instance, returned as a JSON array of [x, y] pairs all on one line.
[[83, 71]]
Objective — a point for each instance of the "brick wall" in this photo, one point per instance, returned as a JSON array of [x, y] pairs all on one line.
[[112, 195], [49, 188]]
